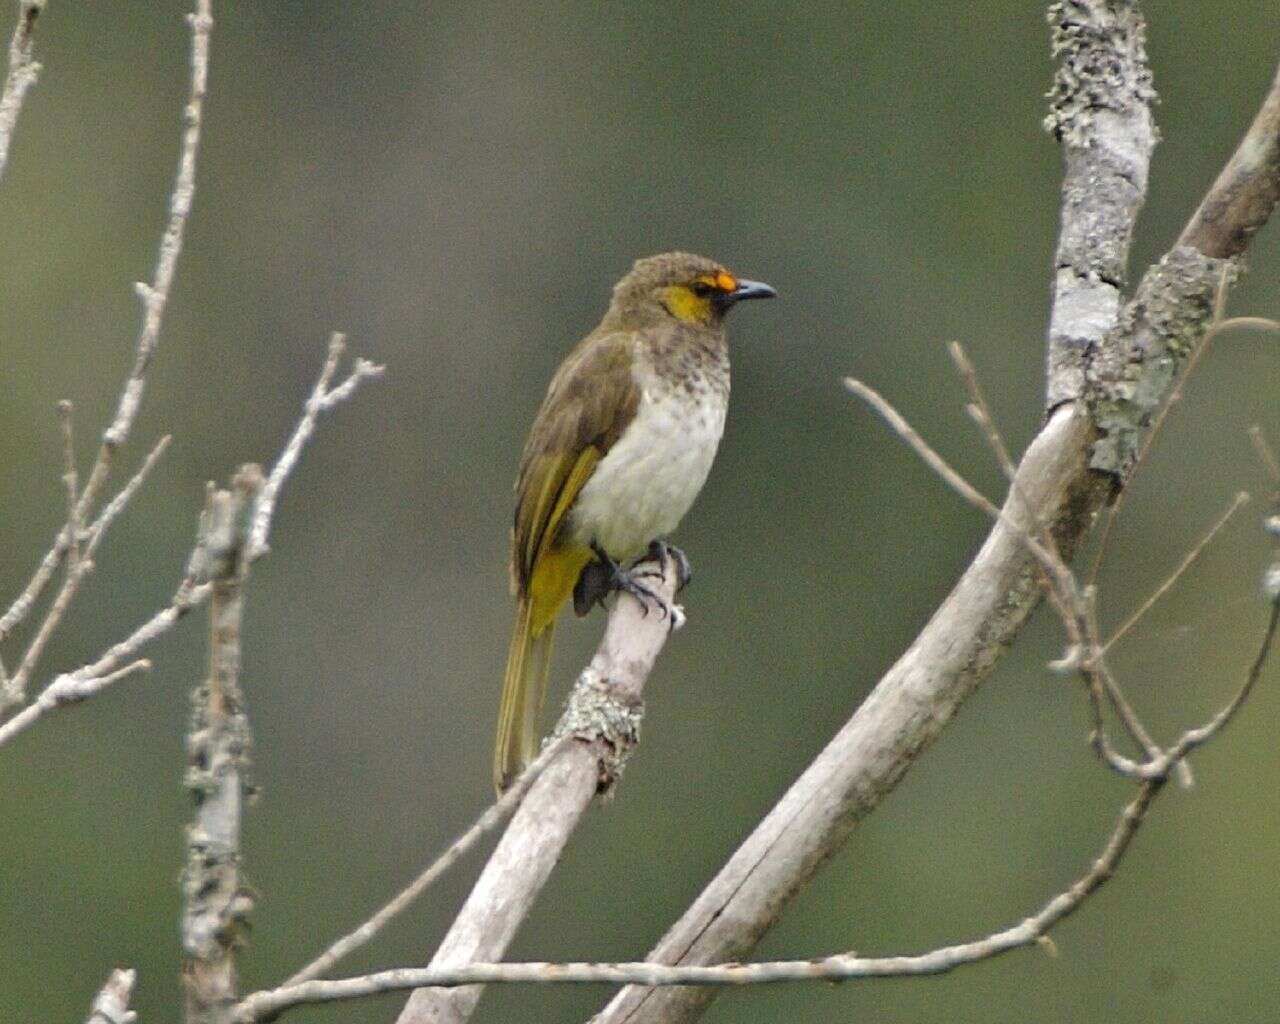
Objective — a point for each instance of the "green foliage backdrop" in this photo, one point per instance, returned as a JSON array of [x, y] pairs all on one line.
[[457, 186]]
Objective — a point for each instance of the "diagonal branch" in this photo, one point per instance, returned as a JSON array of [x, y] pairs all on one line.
[[603, 720], [1135, 360]]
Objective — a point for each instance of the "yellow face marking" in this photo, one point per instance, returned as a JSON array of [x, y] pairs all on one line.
[[685, 304]]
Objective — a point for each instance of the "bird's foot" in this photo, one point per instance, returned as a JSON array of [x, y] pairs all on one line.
[[604, 576], [659, 551], [595, 583]]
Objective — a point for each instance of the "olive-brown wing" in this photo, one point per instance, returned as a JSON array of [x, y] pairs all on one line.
[[590, 402]]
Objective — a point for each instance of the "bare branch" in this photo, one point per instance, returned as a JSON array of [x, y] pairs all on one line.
[[22, 74], [838, 967], [77, 568], [602, 720], [322, 398], [117, 504], [488, 821], [192, 591], [111, 1005], [1051, 561], [1034, 929], [216, 905], [155, 296], [66, 689]]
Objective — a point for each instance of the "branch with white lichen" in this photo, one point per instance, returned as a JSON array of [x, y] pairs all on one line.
[[215, 902]]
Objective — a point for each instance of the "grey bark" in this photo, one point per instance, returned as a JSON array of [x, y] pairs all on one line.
[[215, 903]]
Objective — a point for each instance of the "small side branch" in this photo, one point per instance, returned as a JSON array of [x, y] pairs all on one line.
[[215, 902], [155, 296], [22, 75], [322, 398]]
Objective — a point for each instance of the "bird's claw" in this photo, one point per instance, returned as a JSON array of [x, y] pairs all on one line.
[[660, 550]]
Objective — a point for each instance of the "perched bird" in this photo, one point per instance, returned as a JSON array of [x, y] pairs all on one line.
[[618, 451]]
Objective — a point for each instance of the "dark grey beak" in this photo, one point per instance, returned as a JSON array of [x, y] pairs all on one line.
[[747, 290]]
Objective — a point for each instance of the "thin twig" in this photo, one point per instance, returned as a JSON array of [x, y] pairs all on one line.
[[66, 689], [75, 526], [486, 823], [22, 74], [1265, 453], [1049, 560], [155, 296], [321, 399], [1189, 559], [188, 597], [1217, 327], [77, 569], [117, 504]]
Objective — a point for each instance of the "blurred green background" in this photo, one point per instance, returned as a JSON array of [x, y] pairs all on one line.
[[457, 186]]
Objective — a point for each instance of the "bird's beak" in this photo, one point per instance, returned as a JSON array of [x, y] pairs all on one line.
[[747, 290]]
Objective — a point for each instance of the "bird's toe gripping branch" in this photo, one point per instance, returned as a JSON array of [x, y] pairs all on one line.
[[604, 576]]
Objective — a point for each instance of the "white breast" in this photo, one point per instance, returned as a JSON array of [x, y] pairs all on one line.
[[645, 484]]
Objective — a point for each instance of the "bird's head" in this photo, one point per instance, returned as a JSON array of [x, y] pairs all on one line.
[[679, 285]]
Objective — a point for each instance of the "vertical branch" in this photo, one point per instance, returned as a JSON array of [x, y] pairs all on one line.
[[23, 71], [1100, 110], [215, 902]]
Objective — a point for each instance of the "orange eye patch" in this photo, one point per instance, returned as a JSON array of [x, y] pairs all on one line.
[[721, 281]]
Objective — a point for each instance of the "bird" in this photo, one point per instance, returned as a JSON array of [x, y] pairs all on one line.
[[616, 455]]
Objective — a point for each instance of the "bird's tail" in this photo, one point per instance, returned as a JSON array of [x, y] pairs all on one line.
[[524, 688]]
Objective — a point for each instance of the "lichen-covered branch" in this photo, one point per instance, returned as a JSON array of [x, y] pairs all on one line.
[[215, 901], [1100, 111], [601, 722]]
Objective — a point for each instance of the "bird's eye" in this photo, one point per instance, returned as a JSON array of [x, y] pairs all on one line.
[[702, 289]]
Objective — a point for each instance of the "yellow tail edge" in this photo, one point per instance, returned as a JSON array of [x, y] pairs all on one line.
[[524, 689]]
